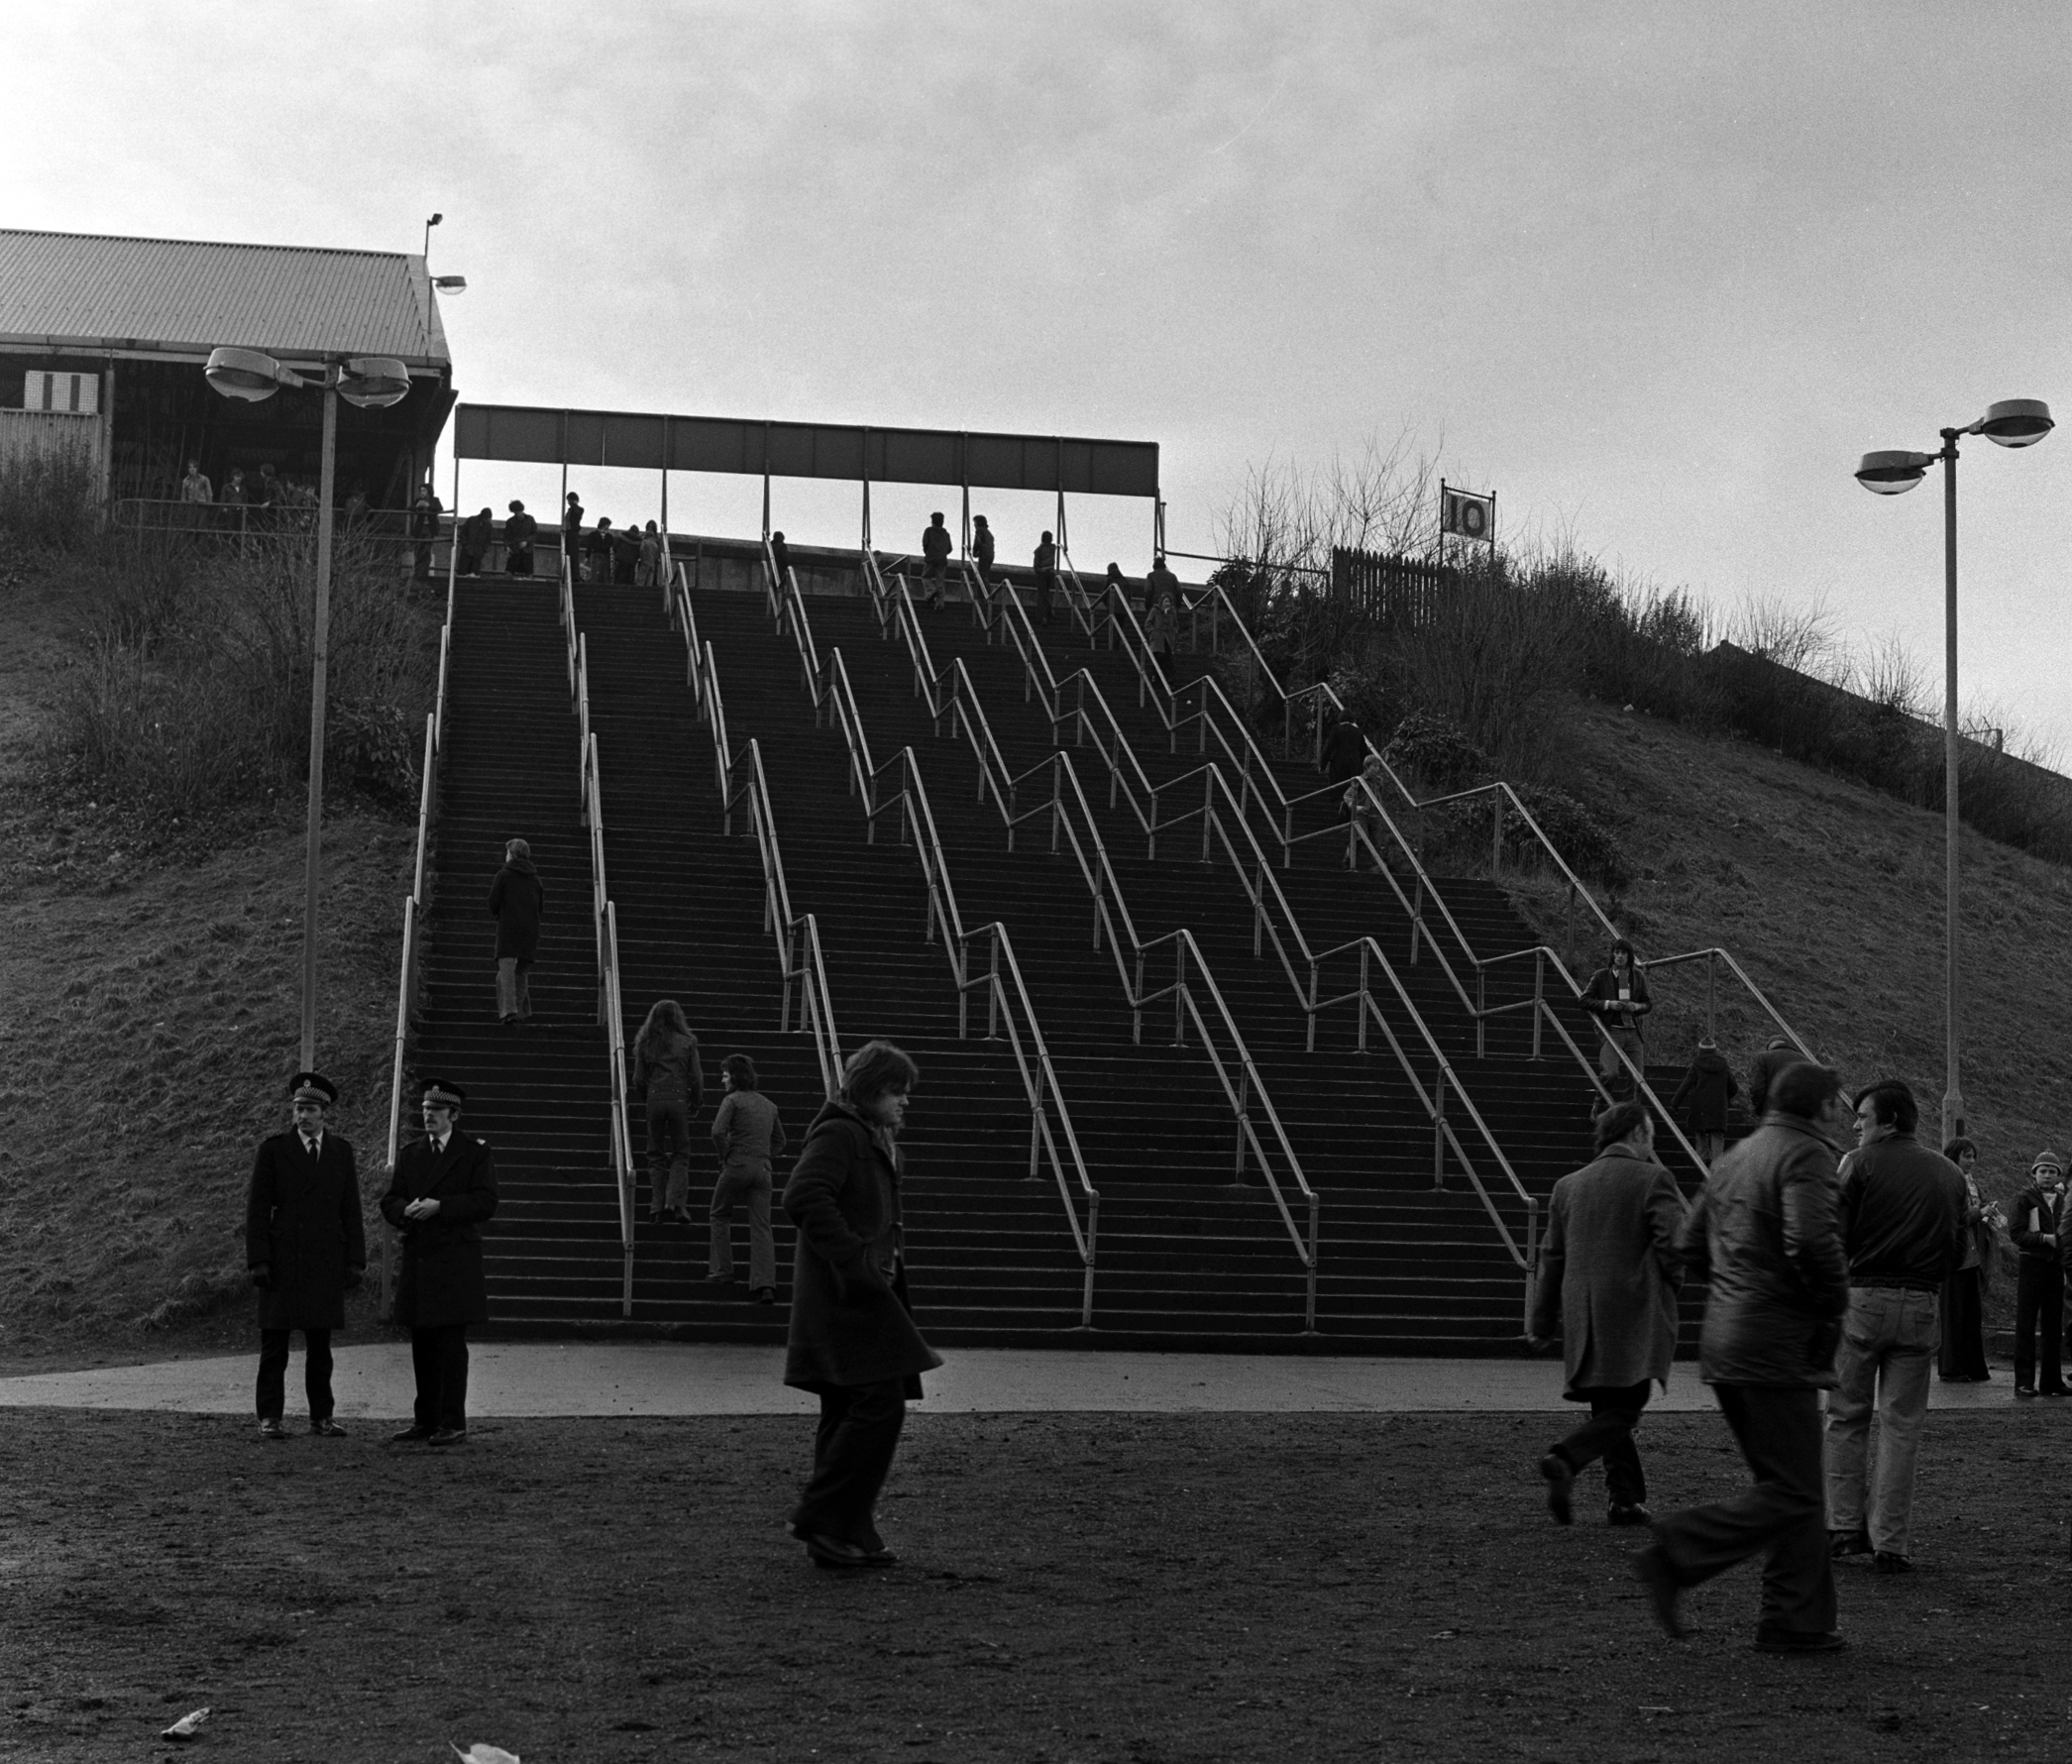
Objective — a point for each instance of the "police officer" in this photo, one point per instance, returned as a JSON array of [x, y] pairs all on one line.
[[305, 1244], [442, 1189]]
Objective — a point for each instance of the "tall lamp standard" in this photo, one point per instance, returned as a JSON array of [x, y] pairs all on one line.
[[2014, 422], [368, 382]]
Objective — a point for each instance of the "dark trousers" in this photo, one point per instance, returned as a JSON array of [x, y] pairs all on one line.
[[439, 1358], [1608, 1434], [519, 563], [1045, 585], [1785, 1513], [2039, 1308], [853, 1454], [271, 1396], [1963, 1311], [668, 1157]]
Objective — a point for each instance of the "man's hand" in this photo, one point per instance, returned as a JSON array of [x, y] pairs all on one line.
[[352, 1277], [421, 1209], [262, 1277]]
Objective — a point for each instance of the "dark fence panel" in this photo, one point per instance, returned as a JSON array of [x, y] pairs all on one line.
[[1392, 590]]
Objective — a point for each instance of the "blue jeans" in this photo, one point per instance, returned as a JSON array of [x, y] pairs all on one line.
[[1887, 1350]]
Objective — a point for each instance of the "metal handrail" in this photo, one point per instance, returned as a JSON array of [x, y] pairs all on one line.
[[1500, 791], [798, 936], [969, 714], [1263, 888], [1007, 1000], [413, 915], [604, 931]]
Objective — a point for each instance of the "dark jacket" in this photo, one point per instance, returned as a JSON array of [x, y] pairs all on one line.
[[848, 1324], [1609, 1272], [1710, 1085], [519, 533], [1345, 751], [1763, 1232], [982, 548], [515, 900], [667, 1070], [2035, 1216], [441, 1279], [302, 1224], [1045, 559], [1762, 1073], [477, 532], [1903, 1212], [1602, 997]]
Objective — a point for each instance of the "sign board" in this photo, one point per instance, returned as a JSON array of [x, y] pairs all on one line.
[[63, 395], [848, 450], [1467, 516]]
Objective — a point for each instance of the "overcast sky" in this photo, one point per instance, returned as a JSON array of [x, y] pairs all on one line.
[[1655, 273]]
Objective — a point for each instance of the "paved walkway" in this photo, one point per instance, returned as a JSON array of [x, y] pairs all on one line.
[[521, 1378]]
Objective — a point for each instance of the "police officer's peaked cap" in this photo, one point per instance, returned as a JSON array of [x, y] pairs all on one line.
[[312, 1087], [442, 1090]]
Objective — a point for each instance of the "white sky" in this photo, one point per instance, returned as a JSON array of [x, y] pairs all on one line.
[[1655, 273]]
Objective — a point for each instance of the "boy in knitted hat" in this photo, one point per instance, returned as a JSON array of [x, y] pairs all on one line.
[[2039, 1294]]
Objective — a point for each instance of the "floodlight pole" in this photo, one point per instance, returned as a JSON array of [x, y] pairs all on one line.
[[320, 651], [1953, 1092]]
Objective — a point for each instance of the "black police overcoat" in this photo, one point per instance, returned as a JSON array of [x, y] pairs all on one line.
[[302, 1223], [441, 1277]]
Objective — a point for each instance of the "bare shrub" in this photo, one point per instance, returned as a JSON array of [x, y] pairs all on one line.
[[48, 501], [191, 685]]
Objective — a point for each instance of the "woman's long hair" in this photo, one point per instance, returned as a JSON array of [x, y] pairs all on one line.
[[665, 1019]]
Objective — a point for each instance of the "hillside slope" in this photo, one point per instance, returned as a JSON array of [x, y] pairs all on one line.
[[1832, 897]]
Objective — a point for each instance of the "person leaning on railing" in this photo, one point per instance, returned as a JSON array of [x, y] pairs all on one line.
[[1617, 996]]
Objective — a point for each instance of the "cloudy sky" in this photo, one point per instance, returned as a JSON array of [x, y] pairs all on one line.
[[1657, 273]]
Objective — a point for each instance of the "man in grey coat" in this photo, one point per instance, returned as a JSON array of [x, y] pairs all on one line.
[[1764, 1232], [1607, 1287]]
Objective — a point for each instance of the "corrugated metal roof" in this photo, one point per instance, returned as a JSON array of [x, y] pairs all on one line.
[[61, 291]]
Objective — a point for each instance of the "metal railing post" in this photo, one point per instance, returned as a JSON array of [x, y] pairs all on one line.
[[1439, 1130], [1538, 997], [1495, 831], [1309, 1312], [1711, 964], [1093, 1229]]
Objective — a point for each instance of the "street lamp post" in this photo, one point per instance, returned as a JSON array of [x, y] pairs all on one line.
[[2014, 422], [374, 381]]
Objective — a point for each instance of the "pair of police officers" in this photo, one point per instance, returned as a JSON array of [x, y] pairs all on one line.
[[306, 1246]]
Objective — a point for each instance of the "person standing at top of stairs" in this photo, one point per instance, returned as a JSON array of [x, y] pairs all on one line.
[[934, 553], [516, 900], [1045, 578], [571, 535], [982, 548], [670, 1079]]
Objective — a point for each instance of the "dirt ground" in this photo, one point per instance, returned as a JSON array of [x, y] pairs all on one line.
[[1152, 1589]]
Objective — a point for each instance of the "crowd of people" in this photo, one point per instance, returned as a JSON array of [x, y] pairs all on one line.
[[1827, 1271], [850, 1337]]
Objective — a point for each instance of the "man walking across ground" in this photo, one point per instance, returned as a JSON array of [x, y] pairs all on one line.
[[1607, 1287], [1764, 1232], [2039, 1287], [442, 1191], [305, 1244], [1903, 1228]]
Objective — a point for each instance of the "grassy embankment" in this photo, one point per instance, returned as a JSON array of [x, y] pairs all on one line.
[[150, 991], [1831, 896]]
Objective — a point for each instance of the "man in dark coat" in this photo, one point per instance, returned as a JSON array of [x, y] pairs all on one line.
[[1608, 1288], [936, 547], [1765, 1067], [519, 531], [852, 1341], [443, 1188], [1344, 751], [1764, 1232], [305, 1244], [516, 898], [2040, 1283], [1704, 1097]]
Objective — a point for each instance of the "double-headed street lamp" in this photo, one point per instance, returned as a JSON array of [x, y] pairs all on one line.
[[2015, 422], [368, 382]]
